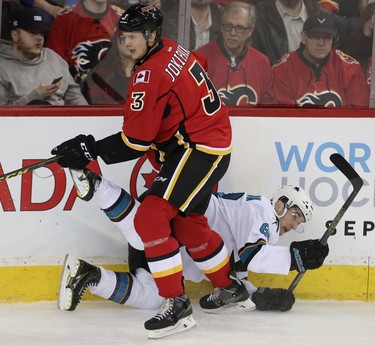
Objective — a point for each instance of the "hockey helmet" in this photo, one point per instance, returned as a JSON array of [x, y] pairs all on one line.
[[140, 18], [296, 196]]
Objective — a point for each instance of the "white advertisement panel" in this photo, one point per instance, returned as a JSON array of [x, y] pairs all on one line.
[[41, 220]]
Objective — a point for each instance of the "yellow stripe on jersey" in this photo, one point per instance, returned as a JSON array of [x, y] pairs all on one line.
[[259, 242], [136, 147], [214, 150], [201, 184], [167, 272], [176, 174], [181, 141], [214, 263], [216, 268], [166, 266]]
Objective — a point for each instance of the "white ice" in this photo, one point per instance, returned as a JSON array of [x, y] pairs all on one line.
[[106, 323]]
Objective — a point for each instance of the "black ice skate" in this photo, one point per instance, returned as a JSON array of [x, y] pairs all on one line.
[[76, 277], [86, 182], [233, 298], [175, 316]]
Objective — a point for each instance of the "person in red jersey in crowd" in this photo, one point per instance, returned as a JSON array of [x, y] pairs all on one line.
[[241, 73], [82, 36], [174, 110], [316, 74]]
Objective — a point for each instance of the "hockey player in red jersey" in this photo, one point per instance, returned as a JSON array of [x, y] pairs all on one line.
[[173, 108], [316, 74]]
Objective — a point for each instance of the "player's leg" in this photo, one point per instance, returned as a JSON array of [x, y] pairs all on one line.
[[136, 290], [211, 256], [115, 202], [152, 222]]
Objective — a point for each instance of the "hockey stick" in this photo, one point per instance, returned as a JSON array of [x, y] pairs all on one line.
[[31, 167], [357, 183]]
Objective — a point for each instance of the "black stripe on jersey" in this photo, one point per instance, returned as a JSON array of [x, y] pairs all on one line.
[[112, 149], [163, 257], [208, 257], [249, 250]]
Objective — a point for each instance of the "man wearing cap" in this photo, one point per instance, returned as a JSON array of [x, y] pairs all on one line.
[[27, 69], [317, 75]]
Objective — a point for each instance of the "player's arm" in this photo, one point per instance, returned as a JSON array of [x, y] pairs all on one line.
[[76, 153]]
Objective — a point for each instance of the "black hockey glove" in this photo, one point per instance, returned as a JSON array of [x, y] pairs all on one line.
[[273, 299], [307, 255], [77, 152]]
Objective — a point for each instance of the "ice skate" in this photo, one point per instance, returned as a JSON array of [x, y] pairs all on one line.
[[175, 316], [86, 182], [76, 277], [233, 298]]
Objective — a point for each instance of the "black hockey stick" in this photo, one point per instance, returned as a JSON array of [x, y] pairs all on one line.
[[31, 167], [357, 183]]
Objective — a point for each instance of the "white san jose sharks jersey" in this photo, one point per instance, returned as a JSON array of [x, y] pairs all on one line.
[[250, 229]]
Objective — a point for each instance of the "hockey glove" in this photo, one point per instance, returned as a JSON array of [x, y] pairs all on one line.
[[273, 299], [77, 152], [307, 255]]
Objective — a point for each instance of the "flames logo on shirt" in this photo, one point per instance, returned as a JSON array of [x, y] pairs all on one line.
[[240, 94], [88, 54], [347, 58], [324, 99]]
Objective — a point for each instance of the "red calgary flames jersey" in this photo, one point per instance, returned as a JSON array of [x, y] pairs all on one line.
[[339, 82], [82, 39], [172, 103], [246, 81]]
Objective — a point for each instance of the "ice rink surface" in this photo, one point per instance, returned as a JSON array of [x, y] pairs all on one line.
[[106, 323]]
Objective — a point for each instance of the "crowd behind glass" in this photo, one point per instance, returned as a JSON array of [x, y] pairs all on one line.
[[259, 52]]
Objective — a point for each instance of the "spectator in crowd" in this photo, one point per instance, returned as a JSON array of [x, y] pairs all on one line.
[[83, 35], [241, 74], [107, 82], [249, 225], [204, 24], [27, 69], [279, 26], [359, 43], [316, 74], [345, 14]]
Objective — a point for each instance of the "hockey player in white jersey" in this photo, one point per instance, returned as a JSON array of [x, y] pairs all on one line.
[[249, 225]]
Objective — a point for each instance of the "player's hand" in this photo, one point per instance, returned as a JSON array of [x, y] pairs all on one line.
[[307, 255], [273, 299], [77, 152]]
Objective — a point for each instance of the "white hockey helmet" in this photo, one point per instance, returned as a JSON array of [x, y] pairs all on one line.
[[296, 196]]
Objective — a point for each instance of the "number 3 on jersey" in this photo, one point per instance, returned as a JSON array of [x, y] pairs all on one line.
[[211, 102], [137, 103]]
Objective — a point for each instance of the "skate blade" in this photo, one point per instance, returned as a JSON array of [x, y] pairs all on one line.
[[186, 324], [246, 305], [64, 298]]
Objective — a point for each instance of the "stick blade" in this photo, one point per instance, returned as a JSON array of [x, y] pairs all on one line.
[[343, 165]]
